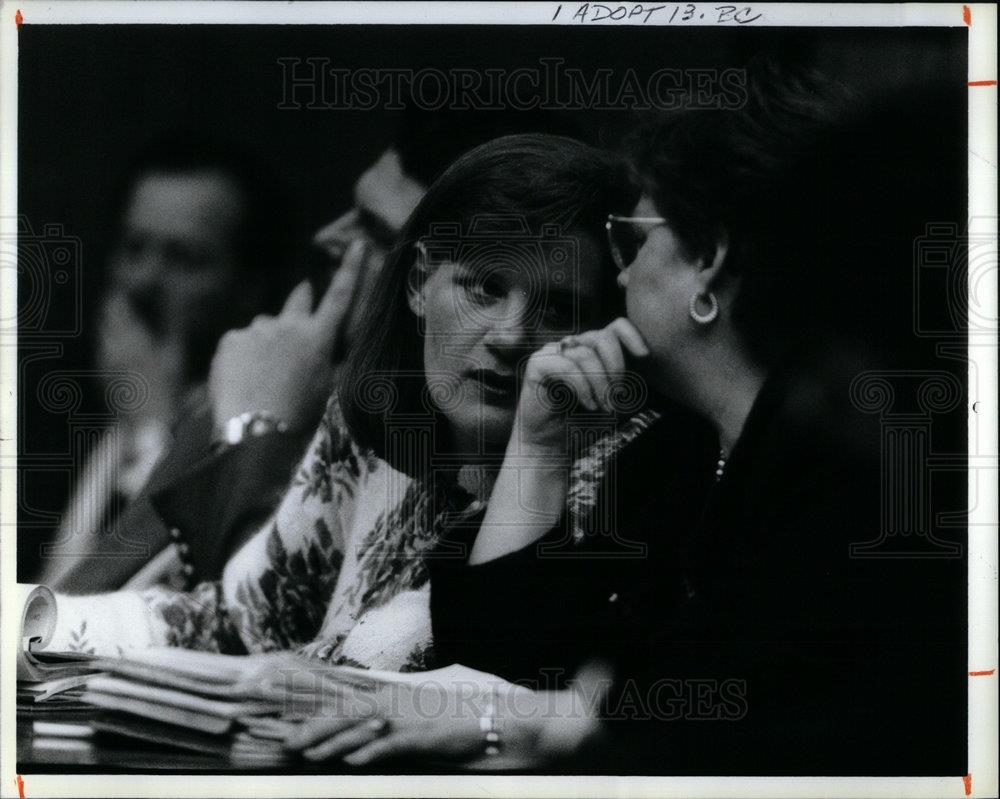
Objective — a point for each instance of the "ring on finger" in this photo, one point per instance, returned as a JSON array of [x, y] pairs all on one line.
[[567, 342]]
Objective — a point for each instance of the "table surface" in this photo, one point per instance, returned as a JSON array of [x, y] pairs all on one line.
[[104, 754]]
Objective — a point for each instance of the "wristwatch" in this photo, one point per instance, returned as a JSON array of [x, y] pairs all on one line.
[[251, 425]]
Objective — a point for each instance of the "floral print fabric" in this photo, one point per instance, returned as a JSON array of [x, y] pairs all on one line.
[[337, 574]]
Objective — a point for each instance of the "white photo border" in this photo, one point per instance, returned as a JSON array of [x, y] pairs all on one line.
[[982, 540]]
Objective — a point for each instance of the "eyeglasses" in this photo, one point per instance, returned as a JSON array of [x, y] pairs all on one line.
[[625, 238]]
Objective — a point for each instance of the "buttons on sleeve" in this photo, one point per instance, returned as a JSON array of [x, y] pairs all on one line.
[[184, 553]]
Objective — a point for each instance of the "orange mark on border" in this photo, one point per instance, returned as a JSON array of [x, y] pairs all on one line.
[[967, 15], [984, 673], [20, 786], [18, 19], [982, 83], [967, 779]]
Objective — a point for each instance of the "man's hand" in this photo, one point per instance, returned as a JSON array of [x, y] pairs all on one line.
[[282, 364]]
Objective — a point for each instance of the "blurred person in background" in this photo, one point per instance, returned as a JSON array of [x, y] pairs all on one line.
[[199, 247]]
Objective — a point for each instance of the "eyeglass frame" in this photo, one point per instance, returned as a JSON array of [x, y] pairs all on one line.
[[616, 254]]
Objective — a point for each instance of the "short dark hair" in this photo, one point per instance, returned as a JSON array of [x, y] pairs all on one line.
[[543, 180], [761, 173]]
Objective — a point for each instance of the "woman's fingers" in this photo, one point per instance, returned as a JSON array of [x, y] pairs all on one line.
[[629, 336], [565, 372], [313, 731], [593, 370], [587, 363], [392, 745], [608, 347], [348, 740]]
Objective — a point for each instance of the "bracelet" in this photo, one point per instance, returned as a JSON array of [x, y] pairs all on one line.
[[488, 725]]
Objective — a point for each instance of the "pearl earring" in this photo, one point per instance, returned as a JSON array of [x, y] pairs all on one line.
[[709, 316]]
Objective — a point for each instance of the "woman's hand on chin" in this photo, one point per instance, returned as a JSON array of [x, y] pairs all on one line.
[[576, 373], [530, 490]]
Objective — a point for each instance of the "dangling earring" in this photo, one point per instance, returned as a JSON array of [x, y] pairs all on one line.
[[709, 316]]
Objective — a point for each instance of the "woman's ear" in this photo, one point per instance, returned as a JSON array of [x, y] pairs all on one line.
[[711, 269]]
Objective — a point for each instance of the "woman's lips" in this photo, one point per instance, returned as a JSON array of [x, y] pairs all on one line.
[[495, 384]]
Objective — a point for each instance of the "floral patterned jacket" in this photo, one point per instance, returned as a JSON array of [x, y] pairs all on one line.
[[338, 573]]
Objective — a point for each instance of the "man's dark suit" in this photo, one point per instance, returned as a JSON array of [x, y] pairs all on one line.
[[204, 502]]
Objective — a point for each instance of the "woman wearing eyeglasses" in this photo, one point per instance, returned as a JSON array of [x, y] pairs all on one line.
[[736, 598]]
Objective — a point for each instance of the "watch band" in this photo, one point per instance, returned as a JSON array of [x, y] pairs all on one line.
[[492, 745], [251, 424]]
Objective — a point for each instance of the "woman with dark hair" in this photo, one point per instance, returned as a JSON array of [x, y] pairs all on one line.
[[527, 226], [499, 258], [751, 636]]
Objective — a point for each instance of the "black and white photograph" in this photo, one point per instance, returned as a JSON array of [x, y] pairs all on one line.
[[424, 399]]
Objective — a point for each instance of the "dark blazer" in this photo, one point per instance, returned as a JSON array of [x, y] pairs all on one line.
[[203, 501], [748, 641]]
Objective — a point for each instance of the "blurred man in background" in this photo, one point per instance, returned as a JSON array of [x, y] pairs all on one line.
[[198, 247]]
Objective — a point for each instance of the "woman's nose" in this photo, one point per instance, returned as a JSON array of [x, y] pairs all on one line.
[[623, 278], [509, 335], [510, 328]]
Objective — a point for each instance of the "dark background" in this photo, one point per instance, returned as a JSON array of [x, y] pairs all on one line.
[[89, 96]]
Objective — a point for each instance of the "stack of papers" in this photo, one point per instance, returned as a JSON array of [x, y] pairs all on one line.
[[47, 681], [239, 707], [59, 695]]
